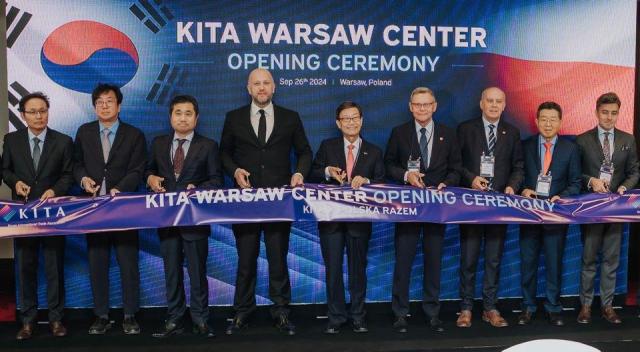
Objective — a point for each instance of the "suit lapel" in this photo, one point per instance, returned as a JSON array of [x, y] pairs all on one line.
[[93, 139], [480, 129], [501, 134], [116, 141], [338, 150], [436, 145], [26, 145], [194, 149], [165, 156], [617, 143], [248, 127], [596, 143], [277, 121], [49, 140]]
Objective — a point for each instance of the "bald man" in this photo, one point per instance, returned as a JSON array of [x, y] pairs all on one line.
[[257, 140], [491, 161]]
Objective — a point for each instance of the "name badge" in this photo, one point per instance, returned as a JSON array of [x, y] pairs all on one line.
[[487, 163], [543, 186], [606, 172], [413, 165]]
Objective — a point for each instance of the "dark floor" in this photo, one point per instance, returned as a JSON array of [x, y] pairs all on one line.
[[262, 336]]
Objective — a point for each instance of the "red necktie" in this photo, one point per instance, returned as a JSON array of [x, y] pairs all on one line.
[[178, 158], [547, 158], [350, 161]]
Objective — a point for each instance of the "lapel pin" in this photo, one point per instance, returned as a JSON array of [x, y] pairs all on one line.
[[364, 153], [441, 138], [504, 132]]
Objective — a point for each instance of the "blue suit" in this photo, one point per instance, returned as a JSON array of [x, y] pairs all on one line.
[[566, 181]]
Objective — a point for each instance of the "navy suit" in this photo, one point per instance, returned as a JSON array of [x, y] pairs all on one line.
[[334, 236], [566, 181], [201, 168], [445, 160]]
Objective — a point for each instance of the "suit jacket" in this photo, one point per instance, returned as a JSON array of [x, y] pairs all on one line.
[[201, 168], [269, 164], [566, 173], [368, 164], [444, 163], [125, 165], [624, 158], [508, 169], [55, 168]]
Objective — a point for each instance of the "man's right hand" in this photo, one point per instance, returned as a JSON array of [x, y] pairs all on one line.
[[22, 189], [599, 186], [337, 173], [529, 193], [89, 185], [414, 178], [155, 183], [242, 178], [480, 183]]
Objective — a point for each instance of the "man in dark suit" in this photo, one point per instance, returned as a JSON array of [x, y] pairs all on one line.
[[551, 171], [491, 160], [109, 158], [257, 140], [181, 161], [609, 164], [37, 164], [421, 153], [347, 160]]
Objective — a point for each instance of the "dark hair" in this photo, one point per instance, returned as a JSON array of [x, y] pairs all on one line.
[[346, 105], [549, 105], [608, 98], [179, 99], [34, 95], [103, 88]]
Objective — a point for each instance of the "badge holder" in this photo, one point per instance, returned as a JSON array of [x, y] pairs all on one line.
[[606, 172], [413, 165], [543, 185]]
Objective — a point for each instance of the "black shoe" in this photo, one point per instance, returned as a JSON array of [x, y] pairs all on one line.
[[332, 329], [170, 328], [130, 326], [436, 325], [236, 325], [555, 319], [99, 326], [203, 329], [525, 317], [400, 325], [359, 326], [285, 325]]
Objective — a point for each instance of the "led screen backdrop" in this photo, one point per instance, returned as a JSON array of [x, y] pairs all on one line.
[[321, 53]]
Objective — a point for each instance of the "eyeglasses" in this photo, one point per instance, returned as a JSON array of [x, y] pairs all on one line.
[[37, 112], [350, 119], [422, 105], [105, 103]]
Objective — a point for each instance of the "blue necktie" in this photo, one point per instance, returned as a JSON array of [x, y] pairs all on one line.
[[424, 147]]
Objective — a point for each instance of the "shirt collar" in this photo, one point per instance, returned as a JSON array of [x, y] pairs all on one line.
[[356, 142], [113, 127], [542, 141], [429, 126], [601, 131], [41, 136], [267, 109], [487, 123], [189, 137]]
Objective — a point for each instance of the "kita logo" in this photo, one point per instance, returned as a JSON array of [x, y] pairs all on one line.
[[7, 213], [80, 54]]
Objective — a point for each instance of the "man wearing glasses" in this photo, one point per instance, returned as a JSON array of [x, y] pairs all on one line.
[[37, 163], [421, 153], [110, 158], [347, 160]]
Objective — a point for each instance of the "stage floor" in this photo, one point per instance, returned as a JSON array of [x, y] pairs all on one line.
[[262, 336]]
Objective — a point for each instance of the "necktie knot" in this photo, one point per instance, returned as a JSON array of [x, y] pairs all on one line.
[[492, 126], [106, 132], [181, 142], [423, 131], [351, 146], [547, 146], [36, 140], [262, 113]]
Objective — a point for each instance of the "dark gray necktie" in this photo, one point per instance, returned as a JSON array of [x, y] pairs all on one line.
[[606, 148], [492, 139], [36, 153]]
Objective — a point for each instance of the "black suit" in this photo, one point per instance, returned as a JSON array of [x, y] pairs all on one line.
[[508, 171], [123, 170], [202, 169], [54, 172], [565, 181], [444, 163], [355, 235], [270, 166]]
